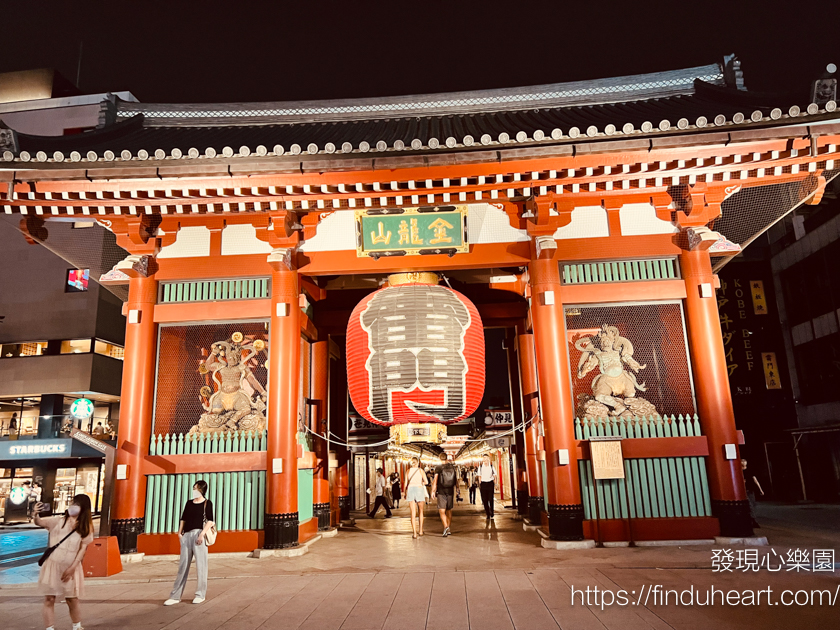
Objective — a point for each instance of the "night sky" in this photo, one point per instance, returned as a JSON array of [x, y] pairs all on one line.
[[239, 51]]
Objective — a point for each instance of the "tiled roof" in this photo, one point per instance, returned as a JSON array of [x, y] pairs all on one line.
[[661, 104]]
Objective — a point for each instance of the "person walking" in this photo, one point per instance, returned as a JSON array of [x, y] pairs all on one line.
[[196, 521], [381, 484], [473, 484], [752, 485], [487, 485], [444, 487], [415, 493], [396, 490], [62, 574]]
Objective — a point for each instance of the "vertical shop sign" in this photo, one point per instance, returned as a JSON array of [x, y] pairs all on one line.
[[771, 370]]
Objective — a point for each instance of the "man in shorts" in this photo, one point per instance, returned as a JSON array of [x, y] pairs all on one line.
[[444, 487]]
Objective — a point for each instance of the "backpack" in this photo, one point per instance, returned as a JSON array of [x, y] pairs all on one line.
[[447, 476]]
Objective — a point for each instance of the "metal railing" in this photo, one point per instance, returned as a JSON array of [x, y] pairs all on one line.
[[191, 444]]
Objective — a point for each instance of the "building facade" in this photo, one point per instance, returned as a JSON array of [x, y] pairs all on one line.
[[584, 219]]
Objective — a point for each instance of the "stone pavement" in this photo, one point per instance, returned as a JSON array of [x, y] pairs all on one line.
[[485, 576]]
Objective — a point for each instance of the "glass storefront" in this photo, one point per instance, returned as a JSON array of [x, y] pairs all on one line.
[[11, 489], [19, 417]]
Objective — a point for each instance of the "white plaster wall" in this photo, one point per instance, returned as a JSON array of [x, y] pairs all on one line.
[[587, 222], [191, 242], [639, 219], [238, 240], [489, 224]]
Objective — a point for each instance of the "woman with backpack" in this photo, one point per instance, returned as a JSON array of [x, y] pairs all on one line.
[[61, 566], [415, 493], [196, 532], [487, 485]]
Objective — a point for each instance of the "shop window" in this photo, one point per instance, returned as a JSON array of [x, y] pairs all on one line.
[[25, 349], [19, 417], [108, 349], [75, 346], [77, 280]]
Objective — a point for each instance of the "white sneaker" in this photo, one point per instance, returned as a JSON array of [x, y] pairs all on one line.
[[170, 602], [198, 600]]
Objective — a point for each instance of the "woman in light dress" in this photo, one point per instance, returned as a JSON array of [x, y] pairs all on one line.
[[415, 493], [62, 574]]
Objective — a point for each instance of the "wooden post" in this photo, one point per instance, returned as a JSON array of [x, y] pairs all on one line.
[[136, 404], [714, 400], [319, 369], [281, 508], [530, 395]]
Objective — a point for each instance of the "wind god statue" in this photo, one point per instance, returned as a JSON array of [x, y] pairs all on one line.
[[614, 388], [238, 402]]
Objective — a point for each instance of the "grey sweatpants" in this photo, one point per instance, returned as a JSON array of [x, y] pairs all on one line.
[[188, 550]]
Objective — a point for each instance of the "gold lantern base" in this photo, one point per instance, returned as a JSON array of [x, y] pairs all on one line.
[[428, 432], [421, 277]]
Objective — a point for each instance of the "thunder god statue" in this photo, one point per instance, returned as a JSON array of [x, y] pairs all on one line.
[[614, 388], [238, 401]]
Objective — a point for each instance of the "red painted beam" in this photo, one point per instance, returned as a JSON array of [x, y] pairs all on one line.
[[206, 463], [636, 448]]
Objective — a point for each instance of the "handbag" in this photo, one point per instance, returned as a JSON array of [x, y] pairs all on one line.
[[210, 534], [48, 552]]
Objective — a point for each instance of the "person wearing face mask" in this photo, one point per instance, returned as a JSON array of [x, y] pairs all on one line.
[[62, 574], [196, 521]]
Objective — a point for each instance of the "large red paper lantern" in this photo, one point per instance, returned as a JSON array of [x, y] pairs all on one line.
[[415, 353]]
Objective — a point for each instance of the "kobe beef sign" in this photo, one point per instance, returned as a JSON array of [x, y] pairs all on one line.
[[399, 232]]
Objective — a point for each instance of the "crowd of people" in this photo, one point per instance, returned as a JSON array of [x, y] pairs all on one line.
[[441, 485]]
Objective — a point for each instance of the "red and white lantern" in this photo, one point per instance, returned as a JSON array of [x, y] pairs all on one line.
[[415, 353]]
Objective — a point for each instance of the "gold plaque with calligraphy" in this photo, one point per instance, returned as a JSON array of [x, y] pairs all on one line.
[[607, 459], [411, 231], [758, 298], [772, 379]]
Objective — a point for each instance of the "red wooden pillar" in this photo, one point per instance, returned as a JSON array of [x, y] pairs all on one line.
[[530, 395], [138, 385], [565, 510], [714, 400], [338, 427], [281, 508], [520, 483], [318, 424]]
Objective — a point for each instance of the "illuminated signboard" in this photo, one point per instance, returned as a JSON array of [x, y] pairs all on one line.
[[390, 232], [81, 409], [52, 448]]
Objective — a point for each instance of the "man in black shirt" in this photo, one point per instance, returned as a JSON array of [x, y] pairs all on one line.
[[445, 485]]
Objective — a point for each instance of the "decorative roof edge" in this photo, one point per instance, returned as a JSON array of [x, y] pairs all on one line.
[[590, 92], [776, 118]]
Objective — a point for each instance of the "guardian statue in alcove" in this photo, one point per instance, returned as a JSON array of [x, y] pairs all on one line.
[[614, 388], [238, 402]]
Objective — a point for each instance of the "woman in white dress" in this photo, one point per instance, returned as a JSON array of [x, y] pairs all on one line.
[[62, 574]]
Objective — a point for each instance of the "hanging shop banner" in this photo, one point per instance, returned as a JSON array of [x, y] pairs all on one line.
[[758, 299], [390, 232], [771, 370], [498, 419], [607, 458], [415, 353]]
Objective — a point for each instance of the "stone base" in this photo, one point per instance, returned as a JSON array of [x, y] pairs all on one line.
[[517, 517], [528, 526], [128, 558], [567, 545], [752, 541], [289, 552], [348, 522], [674, 543], [617, 543], [329, 533]]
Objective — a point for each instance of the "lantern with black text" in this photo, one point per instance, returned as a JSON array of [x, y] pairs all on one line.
[[415, 353]]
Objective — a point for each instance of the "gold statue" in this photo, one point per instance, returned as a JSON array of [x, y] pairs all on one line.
[[233, 406], [614, 389]]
